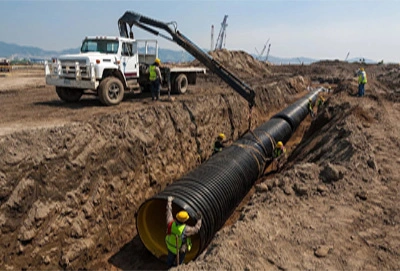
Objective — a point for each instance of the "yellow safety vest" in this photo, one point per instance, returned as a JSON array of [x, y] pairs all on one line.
[[177, 231], [153, 74], [362, 77], [278, 152], [310, 106]]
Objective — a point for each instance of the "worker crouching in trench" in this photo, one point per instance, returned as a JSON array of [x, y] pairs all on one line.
[[278, 155], [178, 235]]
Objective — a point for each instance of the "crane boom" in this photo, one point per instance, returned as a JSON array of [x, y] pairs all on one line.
[[132, 18], [222, 34]]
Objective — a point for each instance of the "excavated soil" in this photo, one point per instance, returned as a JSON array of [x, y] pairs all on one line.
[[72, 176]]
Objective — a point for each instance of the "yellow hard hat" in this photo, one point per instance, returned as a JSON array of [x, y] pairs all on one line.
[[182, 216], [158, 61], [362, 69], [309, 99], [222, 136], [279, 144]]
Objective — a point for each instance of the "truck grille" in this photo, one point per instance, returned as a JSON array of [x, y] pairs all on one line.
[[69, 69]]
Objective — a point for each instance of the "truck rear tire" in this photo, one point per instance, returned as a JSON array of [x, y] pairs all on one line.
[[181, 84], [111, 91], [69, 95]]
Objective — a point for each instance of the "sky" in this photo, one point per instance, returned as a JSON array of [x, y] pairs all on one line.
[[319, 29]]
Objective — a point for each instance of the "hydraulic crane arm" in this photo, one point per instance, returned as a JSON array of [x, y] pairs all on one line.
[[133, 18]]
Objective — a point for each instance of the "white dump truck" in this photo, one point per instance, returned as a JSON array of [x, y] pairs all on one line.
[[109, 66]]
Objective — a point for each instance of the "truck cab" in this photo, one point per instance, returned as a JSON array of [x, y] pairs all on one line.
[[108, 67]]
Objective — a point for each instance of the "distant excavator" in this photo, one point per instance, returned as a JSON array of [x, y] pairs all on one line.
[[132, 18]]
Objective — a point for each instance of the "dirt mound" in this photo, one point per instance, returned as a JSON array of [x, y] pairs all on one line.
[[239, 63]]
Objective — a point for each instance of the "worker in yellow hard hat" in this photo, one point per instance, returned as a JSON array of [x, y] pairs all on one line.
[[279, 149], [178, 233], [278, 155], [219, 144], [362, 80], [155, 78]]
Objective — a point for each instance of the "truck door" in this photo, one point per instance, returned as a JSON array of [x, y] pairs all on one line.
[[129, 64]]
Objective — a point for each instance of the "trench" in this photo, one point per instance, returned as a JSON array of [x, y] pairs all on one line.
[[94, 175], [217, 187]]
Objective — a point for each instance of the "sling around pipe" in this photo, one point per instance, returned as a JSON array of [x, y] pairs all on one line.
[[217, 186]]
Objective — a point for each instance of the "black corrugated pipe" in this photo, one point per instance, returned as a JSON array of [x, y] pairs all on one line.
[[217, 186], [296, 112]]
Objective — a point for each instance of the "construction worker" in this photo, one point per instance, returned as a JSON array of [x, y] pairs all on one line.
[[362, 80], [178, 233], [320, 102], [278, 154], [310, 108], [155, 79], [219, 143]]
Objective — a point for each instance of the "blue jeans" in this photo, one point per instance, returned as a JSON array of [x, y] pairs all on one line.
[[361, 88], [171, 259], [155, 89]]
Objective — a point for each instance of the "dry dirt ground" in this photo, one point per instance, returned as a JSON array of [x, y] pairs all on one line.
[[73, 175]]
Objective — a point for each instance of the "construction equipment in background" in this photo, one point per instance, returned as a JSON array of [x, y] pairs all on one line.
[[131, 18], [222, 35], [300, 62], [260, 55], [347, 56], [212, 37], [269, 48]]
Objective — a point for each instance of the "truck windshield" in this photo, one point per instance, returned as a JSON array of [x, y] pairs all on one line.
[[101, 46]]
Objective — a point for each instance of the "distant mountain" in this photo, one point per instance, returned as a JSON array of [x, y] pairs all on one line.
[[14, 51]]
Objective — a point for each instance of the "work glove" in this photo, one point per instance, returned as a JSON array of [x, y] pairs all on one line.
[[198, 215], [170, 199], [183, 248]]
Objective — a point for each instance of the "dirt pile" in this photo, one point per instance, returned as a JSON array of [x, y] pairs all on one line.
[[241, 63]]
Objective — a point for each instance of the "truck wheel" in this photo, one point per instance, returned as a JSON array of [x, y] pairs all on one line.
[[69, 95], [181, 84], [111, 91]]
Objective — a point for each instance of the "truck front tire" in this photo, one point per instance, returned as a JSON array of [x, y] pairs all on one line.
[[69, 95], [111, 91], [181, 84]]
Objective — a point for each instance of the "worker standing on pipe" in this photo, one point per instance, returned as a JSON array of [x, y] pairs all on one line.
[[279, 153], [219, 143], [178, 233], [310, 108], [362, 80]]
